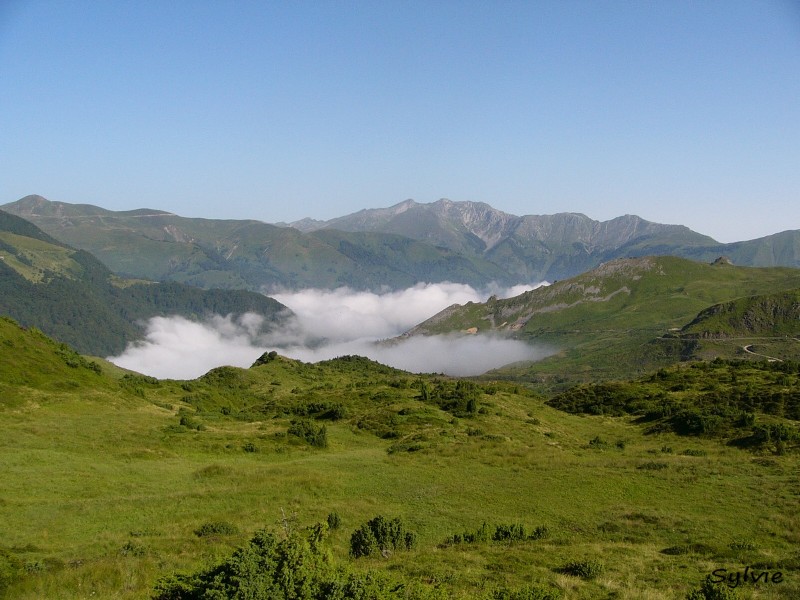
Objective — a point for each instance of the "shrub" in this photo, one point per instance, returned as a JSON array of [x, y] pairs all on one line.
[[530, 592], [132, 549], [598, 443], [10, 570], [691, 452], [214, 528], [509, 533], [502, 533], [653, 466], [711, 591], [381, 535], [585, 569], [540, 533], [296, 566], [334, 520], [189, 423], [306, 430]]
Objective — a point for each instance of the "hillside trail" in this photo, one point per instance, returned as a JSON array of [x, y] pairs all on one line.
[[748, 347]]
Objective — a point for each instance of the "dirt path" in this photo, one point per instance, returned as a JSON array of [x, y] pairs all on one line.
[[769, 358]]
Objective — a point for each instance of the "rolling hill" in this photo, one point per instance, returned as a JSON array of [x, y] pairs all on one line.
[[73, 297], [622, 318], [117, 485]]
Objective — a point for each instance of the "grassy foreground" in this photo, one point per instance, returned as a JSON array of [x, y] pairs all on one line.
[[106, 479]]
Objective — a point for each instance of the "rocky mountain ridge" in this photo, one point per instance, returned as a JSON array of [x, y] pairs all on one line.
[[394, 247]]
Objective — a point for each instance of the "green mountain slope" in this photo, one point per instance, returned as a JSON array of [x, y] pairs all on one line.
[[769, 314], [611, 322], [71, 296], [250, 255], [113, 483]]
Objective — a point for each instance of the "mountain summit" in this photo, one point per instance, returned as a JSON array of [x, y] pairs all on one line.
[[530, 247], [394, 247]]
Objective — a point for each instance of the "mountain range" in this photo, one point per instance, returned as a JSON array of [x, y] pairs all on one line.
[[465, 242]]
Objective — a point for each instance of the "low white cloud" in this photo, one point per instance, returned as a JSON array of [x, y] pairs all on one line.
[[345, 314], [327, 324], [177, 348]]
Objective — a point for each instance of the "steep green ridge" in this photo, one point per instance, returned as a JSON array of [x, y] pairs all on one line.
[[247, 254], [71, 296], [767, 314], [112, 483], [614, 321]]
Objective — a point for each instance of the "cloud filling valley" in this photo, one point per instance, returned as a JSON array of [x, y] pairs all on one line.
[[327, 324]]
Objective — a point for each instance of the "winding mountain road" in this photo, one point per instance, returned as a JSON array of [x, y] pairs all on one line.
[[748, 347]]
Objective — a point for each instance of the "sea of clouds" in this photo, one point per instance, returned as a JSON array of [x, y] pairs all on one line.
[[327, 324]]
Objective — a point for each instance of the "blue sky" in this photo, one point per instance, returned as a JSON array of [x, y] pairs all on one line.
[[679, 112]]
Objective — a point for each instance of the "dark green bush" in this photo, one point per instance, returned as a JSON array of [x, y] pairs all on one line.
[[585, 569], [314, 435], [691, 452], [295, 567], [530, 592], [598, 443], [653, 466], [381, 535], [334, 521], [132, 549], [712, 591], [213, 528], [509, 533], [10, 570]]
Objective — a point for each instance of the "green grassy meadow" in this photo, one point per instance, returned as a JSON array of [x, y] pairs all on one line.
[[103, 487]]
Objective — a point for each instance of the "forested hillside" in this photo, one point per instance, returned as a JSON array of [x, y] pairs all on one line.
[[73, 297]]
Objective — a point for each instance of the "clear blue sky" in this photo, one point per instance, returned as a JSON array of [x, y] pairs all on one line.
[[678, 111]]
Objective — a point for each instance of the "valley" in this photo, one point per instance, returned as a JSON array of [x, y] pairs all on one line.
[[653, 453]]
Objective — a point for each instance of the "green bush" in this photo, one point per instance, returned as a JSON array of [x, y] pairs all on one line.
[[712, 591], [334, 521], [314, 435], [214, 528], [653, 466], [530, 592], [132, 549], [509, 533], [10, 570], [502, 533], [295, 567], [585, 569], [381, 535], [691, 452]]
